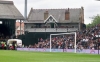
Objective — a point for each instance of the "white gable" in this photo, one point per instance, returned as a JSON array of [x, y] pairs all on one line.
[[50, 19]]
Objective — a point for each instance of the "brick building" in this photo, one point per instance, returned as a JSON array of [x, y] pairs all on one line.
[[19, 28], [55, 20], [42, 22]]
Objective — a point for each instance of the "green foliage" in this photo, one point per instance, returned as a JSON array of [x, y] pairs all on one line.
[[88, 25], [95, 21]]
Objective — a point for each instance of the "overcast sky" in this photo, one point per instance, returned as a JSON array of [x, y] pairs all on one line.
[[91, 7]]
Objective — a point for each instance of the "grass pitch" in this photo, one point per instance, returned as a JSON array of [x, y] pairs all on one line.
[[22, 56]]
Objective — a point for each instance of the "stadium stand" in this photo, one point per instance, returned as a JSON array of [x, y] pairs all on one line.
[[86, 39]]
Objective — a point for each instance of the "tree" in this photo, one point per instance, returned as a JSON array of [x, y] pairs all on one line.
[[89, 25], [95, 21]]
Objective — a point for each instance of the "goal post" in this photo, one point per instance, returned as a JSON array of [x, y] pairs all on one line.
[[63, 34]]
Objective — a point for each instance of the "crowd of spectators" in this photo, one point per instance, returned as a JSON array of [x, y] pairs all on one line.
[[3, 39], [3, 45], [86, 39], [2, 36]]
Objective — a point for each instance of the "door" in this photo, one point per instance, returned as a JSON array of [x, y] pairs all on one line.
[[52, 25]]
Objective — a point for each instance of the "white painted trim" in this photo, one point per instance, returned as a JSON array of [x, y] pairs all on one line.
[[49, 17]]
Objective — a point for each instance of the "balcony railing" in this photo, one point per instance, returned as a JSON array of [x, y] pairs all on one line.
[[51, 29]]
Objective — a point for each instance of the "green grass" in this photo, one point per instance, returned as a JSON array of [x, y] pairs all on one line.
[[22, 56]]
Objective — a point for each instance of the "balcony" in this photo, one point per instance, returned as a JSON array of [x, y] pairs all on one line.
[[51, 29]]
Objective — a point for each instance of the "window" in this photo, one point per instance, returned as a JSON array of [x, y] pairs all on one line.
[[31, 26], [52, 25]]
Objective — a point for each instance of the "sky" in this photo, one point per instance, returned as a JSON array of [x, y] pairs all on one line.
[[91, 7]]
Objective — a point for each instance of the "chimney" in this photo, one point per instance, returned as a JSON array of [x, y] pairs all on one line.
[[68, 9], [46, 15], [82, 8], [67, 14]]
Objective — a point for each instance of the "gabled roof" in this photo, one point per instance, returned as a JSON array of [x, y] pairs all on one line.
[[37, 15], [9, 11], [50, 19]]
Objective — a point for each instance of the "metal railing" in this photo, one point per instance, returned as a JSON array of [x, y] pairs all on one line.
[[51, 29]]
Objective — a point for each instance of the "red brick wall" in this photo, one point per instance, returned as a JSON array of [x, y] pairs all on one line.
[[18, 25]]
